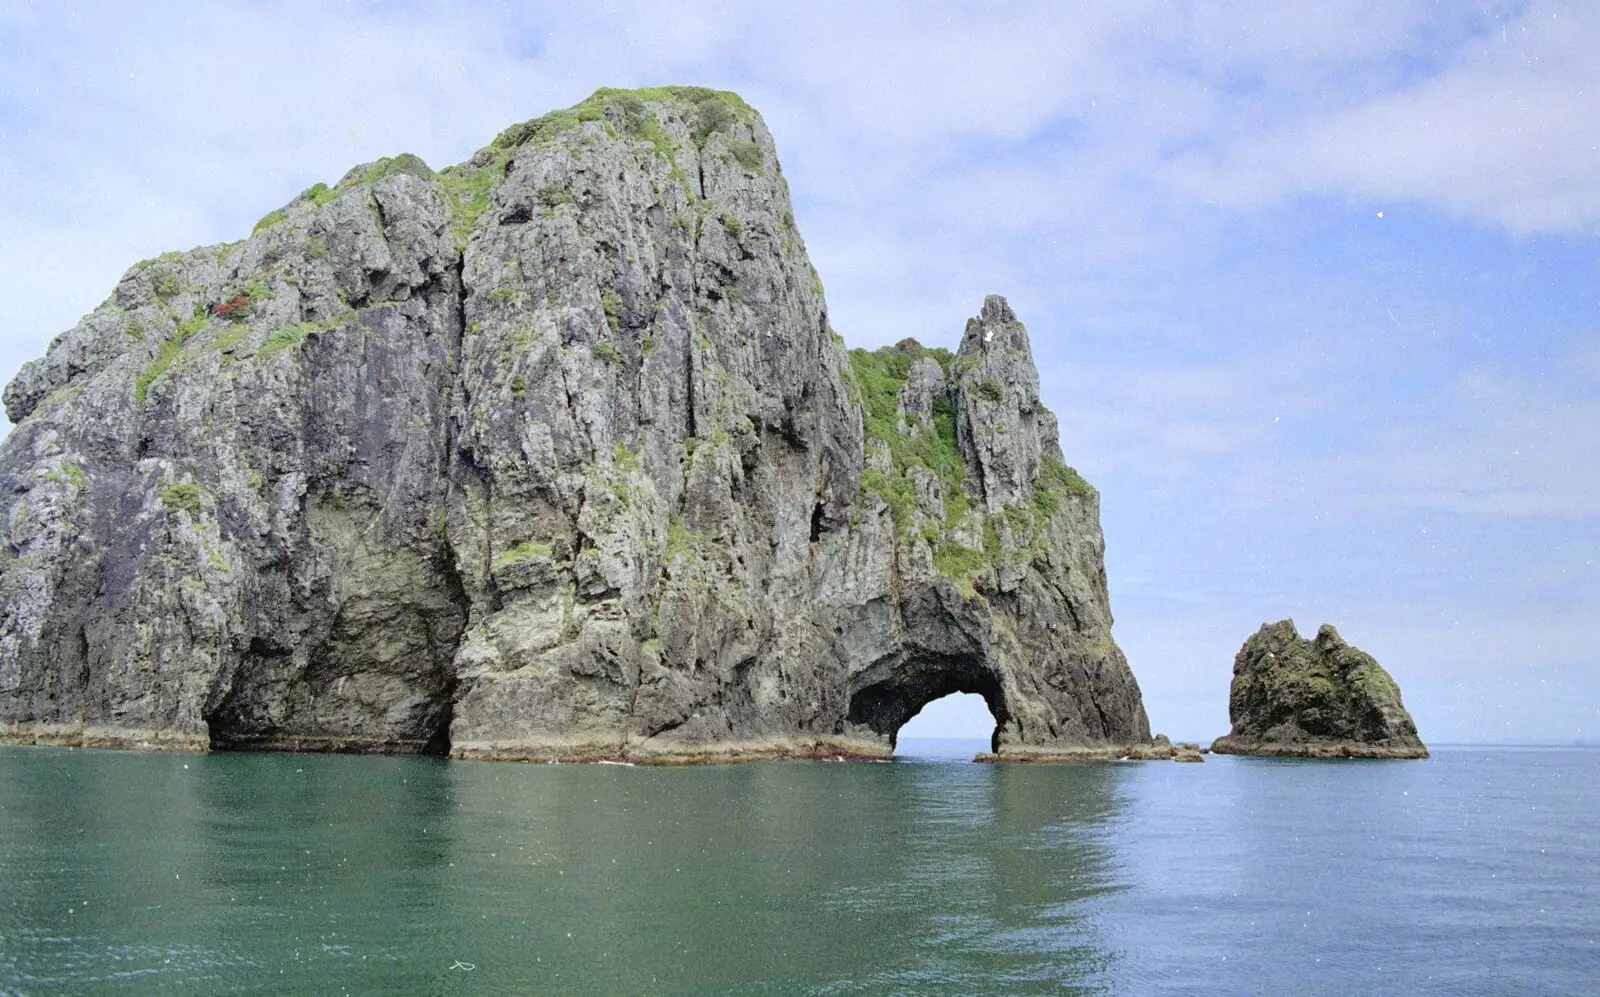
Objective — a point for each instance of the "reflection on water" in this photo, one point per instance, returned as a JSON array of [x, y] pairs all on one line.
[[1471, 873], [124, 873], [233, 873]]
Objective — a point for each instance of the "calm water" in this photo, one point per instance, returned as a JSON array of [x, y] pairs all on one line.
[[1472, 873]]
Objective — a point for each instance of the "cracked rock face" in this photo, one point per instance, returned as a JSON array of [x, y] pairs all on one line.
[[1318, 698], [552, 454]]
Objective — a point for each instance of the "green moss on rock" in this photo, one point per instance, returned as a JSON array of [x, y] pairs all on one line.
[[185, 498], [168, 352], [1316, 698], [878, 377], [528, 550]]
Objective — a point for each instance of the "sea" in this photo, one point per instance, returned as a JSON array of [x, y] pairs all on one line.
[[1474, 872]]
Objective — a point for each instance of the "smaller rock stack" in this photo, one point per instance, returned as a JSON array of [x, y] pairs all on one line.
[[1318, 698]]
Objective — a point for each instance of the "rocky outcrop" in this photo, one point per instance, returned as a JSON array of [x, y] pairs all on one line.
[[552, 454], [1318, 698]]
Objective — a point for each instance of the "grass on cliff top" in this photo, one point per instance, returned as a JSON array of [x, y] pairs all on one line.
[[319, 194], [707, 111], [467, 186]]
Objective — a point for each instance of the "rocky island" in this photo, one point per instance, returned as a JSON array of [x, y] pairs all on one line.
[[549, 455], [1318, 698]]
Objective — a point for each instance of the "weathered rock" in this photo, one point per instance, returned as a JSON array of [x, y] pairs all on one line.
[[552, 454], [1318, 698]]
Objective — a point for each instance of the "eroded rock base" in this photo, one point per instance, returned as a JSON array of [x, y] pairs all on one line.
[[1230, 745], [1142, 752]]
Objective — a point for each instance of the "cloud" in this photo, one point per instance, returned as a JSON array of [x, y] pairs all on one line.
[[1177, 198], [1485, 445], [1504, 134]]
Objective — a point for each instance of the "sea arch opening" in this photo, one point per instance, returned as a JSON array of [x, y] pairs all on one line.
[[947, 728], [887, 705]]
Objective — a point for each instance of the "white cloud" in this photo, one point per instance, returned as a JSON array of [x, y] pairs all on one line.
[[1086, 159], [1485, 445], [1505, 134]]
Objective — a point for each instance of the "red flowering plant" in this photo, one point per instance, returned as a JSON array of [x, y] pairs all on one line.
[[235, 307]]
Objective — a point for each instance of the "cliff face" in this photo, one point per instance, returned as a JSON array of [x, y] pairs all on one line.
[[552, 454], [1318, 698]]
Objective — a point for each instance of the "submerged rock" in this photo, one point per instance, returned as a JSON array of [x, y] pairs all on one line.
[[1318, 698], [553, 454]]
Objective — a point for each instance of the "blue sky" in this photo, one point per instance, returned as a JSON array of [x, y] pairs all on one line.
[[1315, 294]]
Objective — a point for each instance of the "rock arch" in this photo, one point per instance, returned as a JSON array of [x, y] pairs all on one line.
[[349, 484], [886, 704]]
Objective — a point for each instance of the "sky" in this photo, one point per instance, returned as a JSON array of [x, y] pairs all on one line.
[[1314, 290]]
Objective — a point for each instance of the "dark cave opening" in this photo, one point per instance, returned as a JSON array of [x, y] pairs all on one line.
[[885, 706]]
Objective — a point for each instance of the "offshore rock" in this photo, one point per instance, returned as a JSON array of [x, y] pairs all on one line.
[[553, 455], [1318, 698]]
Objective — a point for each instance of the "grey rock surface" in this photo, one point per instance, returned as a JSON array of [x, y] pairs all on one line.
[[552, 454], [1318, 698]]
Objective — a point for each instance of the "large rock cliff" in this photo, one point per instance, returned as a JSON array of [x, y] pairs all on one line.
[[1318, 698], [552, 454]]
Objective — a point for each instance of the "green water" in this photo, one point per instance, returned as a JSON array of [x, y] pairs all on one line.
[[127, 873], [372, 875]]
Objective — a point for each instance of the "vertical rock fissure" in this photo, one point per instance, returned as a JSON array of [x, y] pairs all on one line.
[[438, 742]]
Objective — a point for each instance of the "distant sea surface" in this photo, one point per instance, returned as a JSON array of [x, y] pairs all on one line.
[[1476, 872]]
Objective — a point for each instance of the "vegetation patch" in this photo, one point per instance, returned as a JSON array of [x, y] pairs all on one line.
[[748, 155], [293, 335], [68, 474], [711, 111], [234, 308], [682, 542], [286, 336], [319, 194], [468, 189], [959, 563], [555, 194], [878, 376], [269, 221], [707, 112], [611, 302], [187, 497], [528, 550], [624, 457], [406, 163], [230, 338], [1055, 482], [169, 352], [606, 352]]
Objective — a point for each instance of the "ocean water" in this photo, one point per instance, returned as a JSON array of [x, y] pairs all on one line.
[[1477, 872]]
